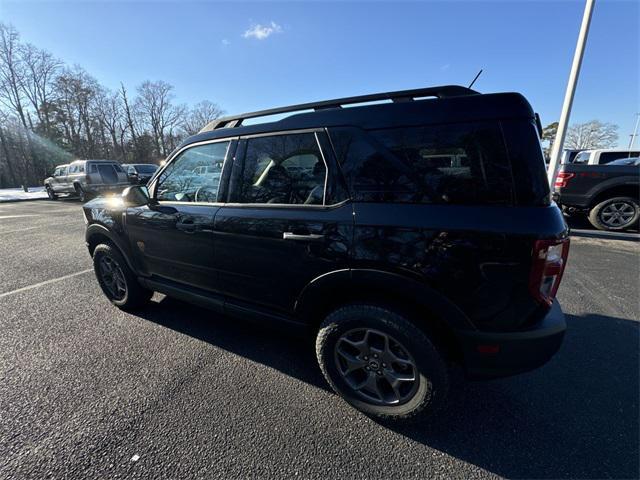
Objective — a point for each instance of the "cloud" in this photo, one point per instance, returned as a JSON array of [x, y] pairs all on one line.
[[445, 67], [225, 42], [260, 32]]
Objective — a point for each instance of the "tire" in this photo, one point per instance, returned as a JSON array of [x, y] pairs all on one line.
[[82, 195], [50, 193], [411, 400], [121, 287], [615, 214]]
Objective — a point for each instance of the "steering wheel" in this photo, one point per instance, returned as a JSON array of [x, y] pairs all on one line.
[[205, 193]]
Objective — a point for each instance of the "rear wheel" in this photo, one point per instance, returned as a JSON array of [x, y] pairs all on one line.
[[117, 280], [381, 363], [616, 213], [50, 193], [82, 195]]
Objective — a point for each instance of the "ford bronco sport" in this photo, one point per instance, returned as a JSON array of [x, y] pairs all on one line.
[[408, 235]]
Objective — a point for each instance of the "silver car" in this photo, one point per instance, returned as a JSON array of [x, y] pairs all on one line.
[[86, 178]]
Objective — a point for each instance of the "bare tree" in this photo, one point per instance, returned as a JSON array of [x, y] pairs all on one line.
[[592, 134], [201, 114], [156, 112], [41, 70], [50, 113]]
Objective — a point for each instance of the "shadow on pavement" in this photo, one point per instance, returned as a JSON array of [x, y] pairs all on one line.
[[576, 417]]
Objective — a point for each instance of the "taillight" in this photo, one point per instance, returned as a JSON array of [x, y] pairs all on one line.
[[549, 261], [562, 180]]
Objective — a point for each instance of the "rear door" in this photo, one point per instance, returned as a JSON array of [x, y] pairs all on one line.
[[286, 223], [173, 236]]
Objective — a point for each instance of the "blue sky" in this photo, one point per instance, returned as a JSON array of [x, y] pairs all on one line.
[[249, 56]]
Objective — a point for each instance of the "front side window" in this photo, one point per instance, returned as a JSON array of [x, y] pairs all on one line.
[[283, 169], [73, 168], [182, 180]]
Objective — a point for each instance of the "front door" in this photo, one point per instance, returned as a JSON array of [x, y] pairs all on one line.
[[173, 235], [285, 223]]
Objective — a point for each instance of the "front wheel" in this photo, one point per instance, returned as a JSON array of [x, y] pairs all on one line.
[[117, 280], [614, 214], [381, 363], [50, 193]]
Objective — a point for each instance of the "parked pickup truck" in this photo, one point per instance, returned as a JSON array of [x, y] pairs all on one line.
[[86, 178], [609, 194]]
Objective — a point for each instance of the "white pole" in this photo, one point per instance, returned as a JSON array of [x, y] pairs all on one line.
[[558, 143], [635, 132]]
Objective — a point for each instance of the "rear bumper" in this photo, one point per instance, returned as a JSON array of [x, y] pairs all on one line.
[[495, 354]]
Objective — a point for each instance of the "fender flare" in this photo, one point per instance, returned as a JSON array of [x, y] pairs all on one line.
[[357, 280], [96, 229]]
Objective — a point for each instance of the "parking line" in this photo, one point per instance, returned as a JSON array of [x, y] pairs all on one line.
[[18, 216], [46, 282], [20, 230]]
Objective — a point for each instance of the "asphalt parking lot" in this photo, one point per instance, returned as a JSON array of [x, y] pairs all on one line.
[[88, 391]]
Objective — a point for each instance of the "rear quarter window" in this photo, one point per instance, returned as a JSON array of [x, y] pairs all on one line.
[[441, 164]]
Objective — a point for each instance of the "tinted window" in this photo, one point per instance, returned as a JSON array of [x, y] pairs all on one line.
[[608, 157], [93, 168], [453, 164], [117, 168], [182, 181], [146, 168], [282, 169], [626, 161]]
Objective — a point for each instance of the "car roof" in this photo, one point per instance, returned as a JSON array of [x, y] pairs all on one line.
[[465, 108]]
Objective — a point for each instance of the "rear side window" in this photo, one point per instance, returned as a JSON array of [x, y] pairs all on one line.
[[443, 164], [608, 157]]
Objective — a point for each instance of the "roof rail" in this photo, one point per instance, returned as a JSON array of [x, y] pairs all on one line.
[[444, 91]]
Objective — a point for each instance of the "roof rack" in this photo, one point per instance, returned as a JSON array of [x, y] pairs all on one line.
[[444, 91]]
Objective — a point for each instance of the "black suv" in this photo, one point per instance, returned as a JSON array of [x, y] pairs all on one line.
[[409, 232]]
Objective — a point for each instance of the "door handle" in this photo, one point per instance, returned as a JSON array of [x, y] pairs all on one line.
[[187, 226], [305, 237]]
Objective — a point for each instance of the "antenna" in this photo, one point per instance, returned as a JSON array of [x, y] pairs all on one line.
[[475, 78]]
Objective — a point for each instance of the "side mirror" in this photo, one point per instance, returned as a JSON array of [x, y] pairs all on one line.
[[136, 196]]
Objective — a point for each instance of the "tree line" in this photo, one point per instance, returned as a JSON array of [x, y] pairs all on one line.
[[51, 113]]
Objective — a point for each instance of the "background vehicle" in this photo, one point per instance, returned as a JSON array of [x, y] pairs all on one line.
[[139, 173], [86, 178], [608, 194], [394, 232], [603, 156]]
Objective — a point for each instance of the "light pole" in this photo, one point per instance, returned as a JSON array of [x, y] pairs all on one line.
[[635, 132], [558, 143]]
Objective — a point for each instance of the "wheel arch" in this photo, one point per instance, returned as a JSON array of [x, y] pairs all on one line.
[[429, 309], [97, 234], [628, 188]]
